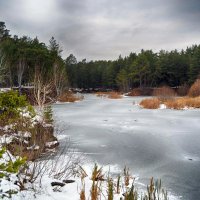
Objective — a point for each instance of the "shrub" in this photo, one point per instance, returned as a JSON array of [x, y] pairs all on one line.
[[192, 102], [100, 94], [141, 92], [184, 102], [48, 114], [174, 104], [152, 103], [10, 101], [135, 92], [114, 95], [9, 166], [182, 90], [195, 89], [110, 95], [164, 93], [69, 97]]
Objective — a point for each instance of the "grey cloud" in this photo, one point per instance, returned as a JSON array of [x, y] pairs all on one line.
[[103, 29]]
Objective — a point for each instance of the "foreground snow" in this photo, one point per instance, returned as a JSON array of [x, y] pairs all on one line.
[[71, 191]]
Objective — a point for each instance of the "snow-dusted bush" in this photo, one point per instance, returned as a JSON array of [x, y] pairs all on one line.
[[9, 169]]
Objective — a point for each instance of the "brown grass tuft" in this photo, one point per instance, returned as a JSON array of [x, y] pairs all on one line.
[[69, 97], [152, 103], [110, 95], [82, 193], [114, 95], [195, 89], [94, 192], [192, 102], [101, 94], [183, 102], [174, 104]]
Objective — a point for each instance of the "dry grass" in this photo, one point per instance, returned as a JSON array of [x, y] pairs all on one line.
[[167, 96], [183, 90], [153, 103], [135, 92], [110, 95], [94, 192], [114, 95], [185, 102], [69, 97], [118, 184], [195, 89], [164, 93], [120, 188], [176, 103], [141, 92], [189, 102], [126, 176], [82, 193], [101, 94], [97, 174], [110, 189]]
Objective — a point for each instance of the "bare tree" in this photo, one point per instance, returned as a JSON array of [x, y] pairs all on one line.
[[60, 79], [2, 68], [42, 89], [20, 71]]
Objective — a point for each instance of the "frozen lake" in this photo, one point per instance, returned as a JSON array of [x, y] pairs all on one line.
[[160, 143]]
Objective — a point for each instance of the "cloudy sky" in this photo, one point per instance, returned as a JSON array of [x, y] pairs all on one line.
[[104, 29]]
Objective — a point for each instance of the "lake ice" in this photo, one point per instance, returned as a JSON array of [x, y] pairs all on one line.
[[161, 143]]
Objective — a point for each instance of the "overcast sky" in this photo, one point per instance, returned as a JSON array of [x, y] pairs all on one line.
[[104, 29]]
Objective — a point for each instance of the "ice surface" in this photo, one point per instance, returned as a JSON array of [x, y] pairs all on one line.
[[161, 143]]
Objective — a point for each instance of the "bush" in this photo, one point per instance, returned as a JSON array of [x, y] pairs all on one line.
[[100, 94], [195, 89], [174, 104], [69, 97], [10, 103], [48, 114], [184, 102], [182, 90], [11, 100], [164, 93], [152, 103], [192, 102], [141, 92], [9, 166], [114, 95], [110, 95]]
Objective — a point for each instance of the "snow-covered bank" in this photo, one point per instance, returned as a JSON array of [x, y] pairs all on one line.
[[72, 191]]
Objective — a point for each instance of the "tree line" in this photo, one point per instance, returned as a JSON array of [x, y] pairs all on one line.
[[145, 69], [27, 61], [23, 60]]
